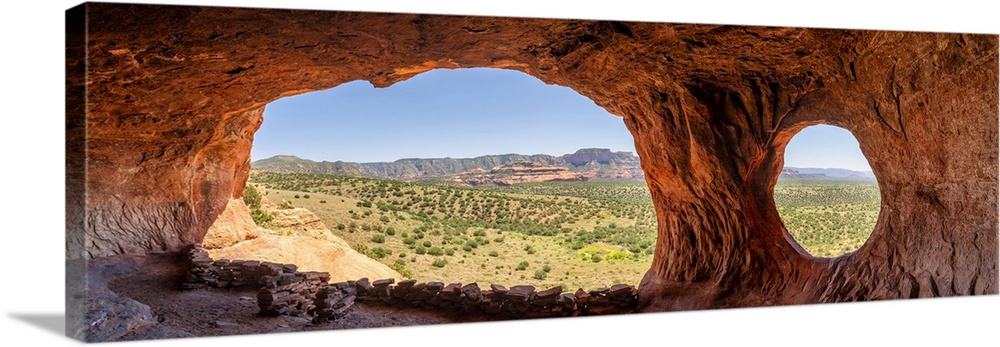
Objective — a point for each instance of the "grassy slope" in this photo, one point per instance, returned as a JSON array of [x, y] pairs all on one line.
[[587, 234], [828, 218]]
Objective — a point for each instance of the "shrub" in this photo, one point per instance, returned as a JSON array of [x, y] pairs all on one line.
[[260, 217], [529, 249], [427, 243], [390, 231], [467, 248], [322, 201], [546, 268], [595, 258], [380, 252], [360, 248], [439, 262], [371, 253], [400, 267], [420, 250], [251, 197], [378, 238], [449, 251], [539, 275], [297, 196], [306, 196], [341, 226], [617, 255], [494, 254], [436, 251], [522, 266], [285, 205]]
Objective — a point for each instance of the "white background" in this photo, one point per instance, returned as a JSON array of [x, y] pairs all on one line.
[[31, 193]]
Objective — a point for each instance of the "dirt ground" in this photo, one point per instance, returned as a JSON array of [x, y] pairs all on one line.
[[218, 312]]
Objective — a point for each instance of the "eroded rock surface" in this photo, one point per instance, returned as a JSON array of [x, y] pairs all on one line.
[[174, 95], [232, 226], [294, 236], [298, 221]]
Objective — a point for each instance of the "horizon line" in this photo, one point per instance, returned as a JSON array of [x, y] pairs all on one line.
[[446, 157], [527, 155]]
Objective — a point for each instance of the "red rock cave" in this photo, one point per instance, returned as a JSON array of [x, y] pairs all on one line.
[[164, 102]]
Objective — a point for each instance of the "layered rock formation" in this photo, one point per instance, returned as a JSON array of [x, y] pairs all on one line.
[[511, 174], [597, 155], [298, 221], [174, 94], [294, 235]]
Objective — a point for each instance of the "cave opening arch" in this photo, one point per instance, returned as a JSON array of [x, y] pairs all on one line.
[[485, 125]]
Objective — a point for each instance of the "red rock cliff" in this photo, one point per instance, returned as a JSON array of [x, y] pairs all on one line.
[[174, 95]]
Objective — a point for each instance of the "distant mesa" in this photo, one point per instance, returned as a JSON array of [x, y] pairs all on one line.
[[520, 172], [293, 164], [601, 156], [826, 174], [587, 163]]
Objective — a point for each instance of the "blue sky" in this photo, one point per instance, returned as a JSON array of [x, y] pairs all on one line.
[[471, 112], [825, 146], [441, 113]]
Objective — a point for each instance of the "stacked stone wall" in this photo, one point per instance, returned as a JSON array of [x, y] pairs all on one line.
[[283, 290]]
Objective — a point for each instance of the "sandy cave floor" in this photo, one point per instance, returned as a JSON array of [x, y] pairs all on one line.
[[219, 312]]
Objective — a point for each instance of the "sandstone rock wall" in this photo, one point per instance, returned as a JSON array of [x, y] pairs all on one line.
[[174, 95], [233, 225]]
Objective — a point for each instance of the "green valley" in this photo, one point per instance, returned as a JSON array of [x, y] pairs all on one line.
[[571, 234], [828, 217]]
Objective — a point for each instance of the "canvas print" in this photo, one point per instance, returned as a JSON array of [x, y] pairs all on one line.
[[239, 171]]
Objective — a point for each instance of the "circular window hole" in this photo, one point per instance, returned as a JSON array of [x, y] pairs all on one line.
[[827, 195]]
